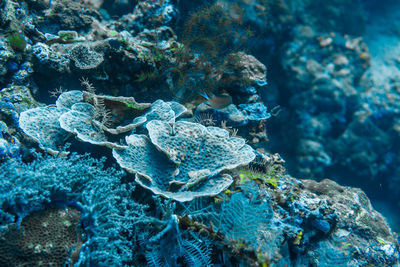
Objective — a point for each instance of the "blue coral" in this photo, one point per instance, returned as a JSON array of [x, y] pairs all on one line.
[[255, 111], [170, 246], [109, 215], [196, 155], [239, 217], [193, 158], [9, 145]]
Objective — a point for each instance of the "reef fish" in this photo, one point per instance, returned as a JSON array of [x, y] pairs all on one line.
[[217, 101]]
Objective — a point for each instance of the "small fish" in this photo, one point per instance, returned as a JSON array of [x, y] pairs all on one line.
[[298, 238], [217, 101], [275, 111]]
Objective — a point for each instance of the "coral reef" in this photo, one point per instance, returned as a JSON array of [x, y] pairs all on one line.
[[9, 145], [107, 213], [324, 93], [196, 155], [13, 101], [170, 103], [199, 152], [42, 125], [50, 236], [334, 75], [316, 222], [50, 126]]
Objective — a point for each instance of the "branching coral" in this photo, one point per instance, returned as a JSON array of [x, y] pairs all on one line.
[[108, 214]]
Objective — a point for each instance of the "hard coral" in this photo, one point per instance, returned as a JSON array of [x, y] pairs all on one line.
[[108, 213], [195, 154], [195, 157], [42, 125], [47, 237], [9, 145], [82, 113]]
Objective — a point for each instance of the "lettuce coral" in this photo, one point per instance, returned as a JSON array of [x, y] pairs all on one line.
[[193, 158]]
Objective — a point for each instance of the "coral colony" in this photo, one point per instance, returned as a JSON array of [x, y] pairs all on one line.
[[146, 133]]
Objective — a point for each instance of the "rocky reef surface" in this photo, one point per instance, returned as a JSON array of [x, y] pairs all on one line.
[[143, 133]]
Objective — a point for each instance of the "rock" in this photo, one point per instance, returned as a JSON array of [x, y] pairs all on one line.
[[48, 61], [231, 114], [242, 70]]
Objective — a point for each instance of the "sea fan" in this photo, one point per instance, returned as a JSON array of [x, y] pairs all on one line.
[[242, 217], [239, 217], [197, 252], [171, 247]]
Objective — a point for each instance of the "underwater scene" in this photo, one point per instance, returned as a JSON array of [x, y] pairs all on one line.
[[199, 133]]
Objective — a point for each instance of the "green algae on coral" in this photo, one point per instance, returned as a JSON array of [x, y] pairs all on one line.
[[17, 42]]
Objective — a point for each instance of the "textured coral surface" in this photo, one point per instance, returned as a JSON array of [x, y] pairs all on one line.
[[170, 133]]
